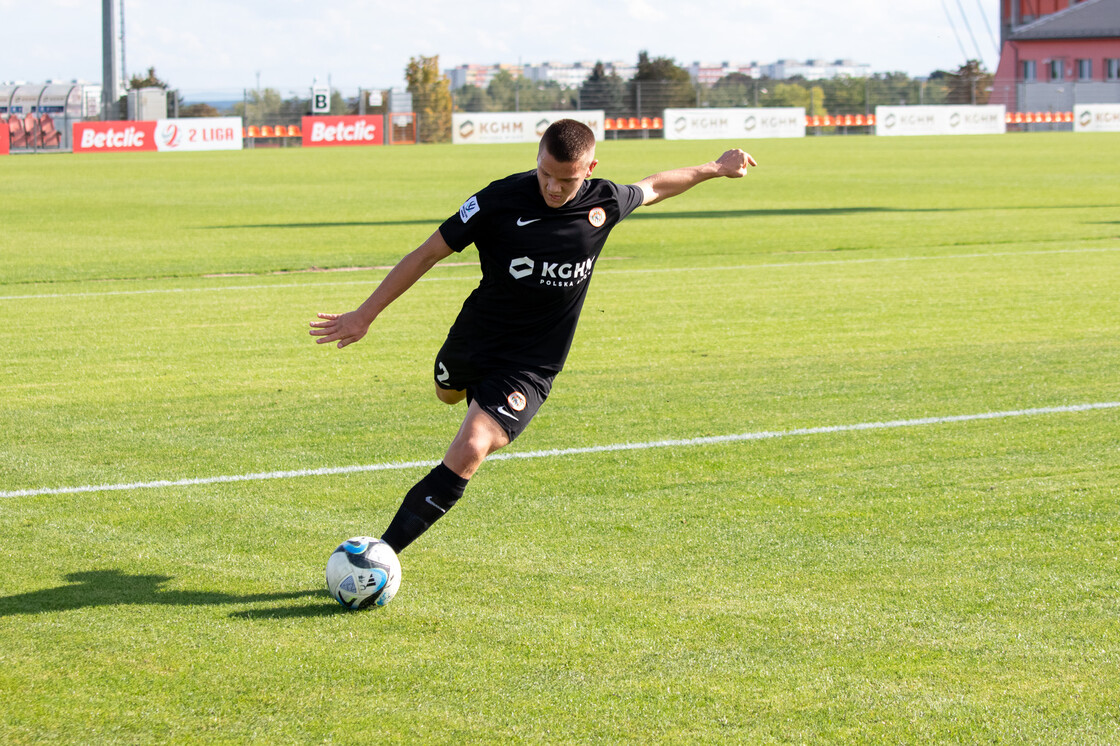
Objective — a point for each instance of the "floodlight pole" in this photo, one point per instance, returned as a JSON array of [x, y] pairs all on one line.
[[110, 81]]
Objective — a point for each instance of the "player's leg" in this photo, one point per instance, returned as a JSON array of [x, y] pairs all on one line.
[[501, 408], [453, 373], [450, 396], [435, 494], [478, 437]]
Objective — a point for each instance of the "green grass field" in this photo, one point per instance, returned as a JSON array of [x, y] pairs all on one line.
[[945, 579]]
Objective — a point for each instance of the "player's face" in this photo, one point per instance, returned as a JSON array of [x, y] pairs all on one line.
[[560, 181]]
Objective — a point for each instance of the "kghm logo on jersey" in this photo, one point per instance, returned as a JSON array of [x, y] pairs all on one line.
[[552, 274], [597, 217]]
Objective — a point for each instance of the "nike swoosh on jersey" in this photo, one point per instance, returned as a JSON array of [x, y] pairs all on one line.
[[503, 410], [523, 222]]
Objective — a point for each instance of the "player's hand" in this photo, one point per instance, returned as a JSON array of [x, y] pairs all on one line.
[[733, 164], [344, 328]]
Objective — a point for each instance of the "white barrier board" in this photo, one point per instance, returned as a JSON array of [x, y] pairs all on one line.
[[940, 120], [734, 124], [1096, 118], [487, 128]]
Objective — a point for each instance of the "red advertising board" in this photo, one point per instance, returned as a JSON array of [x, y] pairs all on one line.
[[335, 131], [4, 143], [104, 137], [165, 135]]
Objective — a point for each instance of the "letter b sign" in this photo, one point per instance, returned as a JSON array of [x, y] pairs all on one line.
[[320, 100]]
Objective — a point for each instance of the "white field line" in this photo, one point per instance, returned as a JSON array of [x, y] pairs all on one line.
[[474, 278], [562, 452]]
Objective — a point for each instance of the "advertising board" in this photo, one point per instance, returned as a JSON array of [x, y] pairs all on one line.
[[940, 120], [491, 128], [165, 135], [1096, 118], [5, 145], [734, 124], [342, 131]]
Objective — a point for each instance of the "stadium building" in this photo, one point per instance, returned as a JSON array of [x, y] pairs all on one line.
[[1057, 53]]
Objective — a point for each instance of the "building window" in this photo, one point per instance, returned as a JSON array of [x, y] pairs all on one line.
[[1112, 69], [1030, 70], [1084, 69], [1056, 70]]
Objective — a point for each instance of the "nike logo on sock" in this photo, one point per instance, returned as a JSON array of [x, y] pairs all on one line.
[[432, 502]]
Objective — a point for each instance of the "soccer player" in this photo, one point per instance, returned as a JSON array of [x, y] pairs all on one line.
[[538, 235]]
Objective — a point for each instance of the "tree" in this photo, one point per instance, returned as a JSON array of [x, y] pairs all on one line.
[[660, 83], [971, 83], [260, 106], [733, 89], [603, 91], [504, 91], [431, 98], [151, 80], [472, 98], [198, 110]]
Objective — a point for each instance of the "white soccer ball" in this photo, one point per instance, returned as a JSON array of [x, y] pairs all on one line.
[[363, 572]]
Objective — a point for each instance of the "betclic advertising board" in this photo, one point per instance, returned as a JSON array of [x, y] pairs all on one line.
[[334, 131], [163, 135]]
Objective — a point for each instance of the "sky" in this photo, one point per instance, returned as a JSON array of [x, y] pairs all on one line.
[[210, 45]]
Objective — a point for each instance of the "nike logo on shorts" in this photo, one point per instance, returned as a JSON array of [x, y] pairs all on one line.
[[503, 410], [522, 222]]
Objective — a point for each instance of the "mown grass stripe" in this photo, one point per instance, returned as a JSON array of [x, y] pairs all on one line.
[[561, 452], [635, 271]]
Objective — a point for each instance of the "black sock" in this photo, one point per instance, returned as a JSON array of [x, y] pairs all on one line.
[[424, 504]]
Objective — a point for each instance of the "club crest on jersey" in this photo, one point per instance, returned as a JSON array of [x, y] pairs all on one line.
[[516, 401], [469, 209], [597, 217]]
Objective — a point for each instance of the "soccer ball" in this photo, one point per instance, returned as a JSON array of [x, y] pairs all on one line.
[[363, 572]]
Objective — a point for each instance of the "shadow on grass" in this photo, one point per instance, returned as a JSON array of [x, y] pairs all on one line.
[[114, 588], [656, 214]]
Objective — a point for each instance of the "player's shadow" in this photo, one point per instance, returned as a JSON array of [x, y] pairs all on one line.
[[113, 588]]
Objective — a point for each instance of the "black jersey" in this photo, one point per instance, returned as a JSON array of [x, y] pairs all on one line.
[[536, 264]]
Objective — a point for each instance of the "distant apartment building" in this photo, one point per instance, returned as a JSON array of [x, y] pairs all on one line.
[[574, 74], [708, 73], [816, 69], [566, 74]]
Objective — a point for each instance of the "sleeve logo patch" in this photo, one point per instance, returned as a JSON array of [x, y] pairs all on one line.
[[597, 217], [469, 209]]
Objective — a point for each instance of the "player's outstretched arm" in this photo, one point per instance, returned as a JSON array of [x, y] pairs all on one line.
[[347, 328], [733, 165]]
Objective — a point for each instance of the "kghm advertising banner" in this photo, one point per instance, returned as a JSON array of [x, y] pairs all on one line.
[[343, 131], [164, 135], [940, 120], [498, 127], [734, 124], [1096, 118]]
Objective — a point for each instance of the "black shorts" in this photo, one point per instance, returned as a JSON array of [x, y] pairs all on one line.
[[510, 397]]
